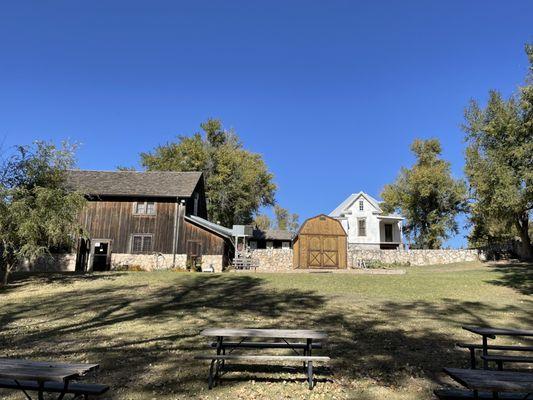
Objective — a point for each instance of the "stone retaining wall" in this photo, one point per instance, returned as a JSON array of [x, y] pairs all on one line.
[[413, 257], [273, 260], [53, 263]]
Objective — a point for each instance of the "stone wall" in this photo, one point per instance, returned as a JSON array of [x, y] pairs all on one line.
[[272, 260], [148, 262], [53, 263], [413, 257], [153, 262]]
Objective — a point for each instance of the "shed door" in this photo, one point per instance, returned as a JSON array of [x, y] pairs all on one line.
[[323, 252]]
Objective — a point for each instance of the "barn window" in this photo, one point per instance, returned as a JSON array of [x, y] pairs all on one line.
[[141, 243], [361, 225], [361, 205], [144, 208]]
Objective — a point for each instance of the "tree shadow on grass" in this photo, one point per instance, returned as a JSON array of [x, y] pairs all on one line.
[[145, 336], [515, 275]]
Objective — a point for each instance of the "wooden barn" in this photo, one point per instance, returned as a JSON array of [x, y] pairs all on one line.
[[320, 243], [150, 220]]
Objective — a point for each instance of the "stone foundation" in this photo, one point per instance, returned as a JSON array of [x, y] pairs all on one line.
[[147, 262], [413, 257], [273, 260], [216, 262]]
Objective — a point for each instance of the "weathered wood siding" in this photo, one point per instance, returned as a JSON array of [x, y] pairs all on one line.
[[114, 219], [320, 243], [211, 243]]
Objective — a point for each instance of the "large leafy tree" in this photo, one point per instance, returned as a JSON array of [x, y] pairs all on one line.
[[427, 196], [284, 220], [238, 182], [499, 165], [37, 213]]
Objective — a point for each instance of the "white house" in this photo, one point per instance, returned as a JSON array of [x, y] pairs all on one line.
[[366, 224]]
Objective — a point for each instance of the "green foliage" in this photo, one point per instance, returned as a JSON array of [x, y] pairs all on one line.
[[427, 196], [237, 181], [499, 165], [284, 220], [37, 212], [262, 222]]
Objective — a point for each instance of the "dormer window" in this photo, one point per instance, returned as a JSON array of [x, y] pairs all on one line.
[[361, 205]]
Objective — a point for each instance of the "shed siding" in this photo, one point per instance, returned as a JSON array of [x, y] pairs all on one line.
[[211, 243], [325, 238]]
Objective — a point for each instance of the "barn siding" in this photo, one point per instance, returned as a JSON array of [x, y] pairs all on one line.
[[211, 243], [114, 219]]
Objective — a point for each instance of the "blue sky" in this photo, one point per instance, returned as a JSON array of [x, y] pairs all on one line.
[[331, 93]]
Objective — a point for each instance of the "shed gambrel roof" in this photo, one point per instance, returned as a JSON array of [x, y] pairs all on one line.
[[132, 183], [351, 199]]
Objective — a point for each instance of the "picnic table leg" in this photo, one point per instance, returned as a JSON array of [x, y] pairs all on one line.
[[310, 374], [485, 353]]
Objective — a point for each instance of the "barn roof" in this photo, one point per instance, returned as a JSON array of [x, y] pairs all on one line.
[[132, 183], [272, 234]]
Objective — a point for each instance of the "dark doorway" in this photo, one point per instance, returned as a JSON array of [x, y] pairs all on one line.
[[388, 232], [84, 248], [101, 253]]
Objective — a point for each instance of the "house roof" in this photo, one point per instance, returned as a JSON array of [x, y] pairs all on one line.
[[272, 234], [351, 199], [132, 183], [221, 230]]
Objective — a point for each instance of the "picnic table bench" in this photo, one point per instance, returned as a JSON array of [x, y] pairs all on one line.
[[493, 382], [283, 339], [491, 333], [48, 377]]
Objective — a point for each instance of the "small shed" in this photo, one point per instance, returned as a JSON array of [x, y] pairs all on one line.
[[320, 243]]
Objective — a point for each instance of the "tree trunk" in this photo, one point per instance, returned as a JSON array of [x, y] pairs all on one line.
[[523, 229], [5, 275]]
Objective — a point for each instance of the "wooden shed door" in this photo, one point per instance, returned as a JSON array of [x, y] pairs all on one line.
[[323, 252]]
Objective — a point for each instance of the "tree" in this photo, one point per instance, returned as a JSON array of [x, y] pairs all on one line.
[[499, 165], [284, 220], [262, 222], [238, 182], [427, 196], [37, 212]]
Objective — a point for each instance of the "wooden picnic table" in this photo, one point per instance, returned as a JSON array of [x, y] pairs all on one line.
[[491, 333], [42, 372], [496, 382], [277, 339]]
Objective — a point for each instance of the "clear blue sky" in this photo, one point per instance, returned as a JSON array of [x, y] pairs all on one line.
[[331, 93]]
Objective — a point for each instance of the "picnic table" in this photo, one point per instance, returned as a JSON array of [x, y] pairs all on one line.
[[496, 382], [491, 333], [306, 342], [44, 376]]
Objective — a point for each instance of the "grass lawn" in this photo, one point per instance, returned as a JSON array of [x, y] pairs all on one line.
[[390, 335]]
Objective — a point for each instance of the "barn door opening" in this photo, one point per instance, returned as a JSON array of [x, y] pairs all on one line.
[[194, 255], [101, 254]]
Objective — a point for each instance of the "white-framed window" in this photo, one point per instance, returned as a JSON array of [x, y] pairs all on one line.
[[144, 208], [141, 243], [285, 245], [361, 227], [252, 244], [269, 244], [361, 205]]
